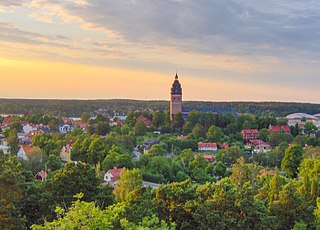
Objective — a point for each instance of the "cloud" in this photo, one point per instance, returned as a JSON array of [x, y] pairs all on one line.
[[10, 33], [234, 27]]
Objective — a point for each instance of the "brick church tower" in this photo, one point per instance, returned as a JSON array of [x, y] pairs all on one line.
[[176, 98]]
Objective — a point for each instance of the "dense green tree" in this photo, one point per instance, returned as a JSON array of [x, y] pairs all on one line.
[[117, 157], [85, 117], [214, 134], [12, 181], [13, 142], [275, 138], [178, 121], [264, 134], [242, 172], [157, 149], [102, 128], [290, 208], [129, 180], [220, 169], [140, 128], [37, 204], [291, 160], [54, 163], [175, 202], [97, 150], [230, 155], [276, 155], [310, 128], [72, 179], [199, 131]]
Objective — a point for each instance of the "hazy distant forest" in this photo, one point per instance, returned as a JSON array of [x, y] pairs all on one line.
[[77, 107]]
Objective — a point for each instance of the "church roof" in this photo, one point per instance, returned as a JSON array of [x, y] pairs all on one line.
[[176, 86]]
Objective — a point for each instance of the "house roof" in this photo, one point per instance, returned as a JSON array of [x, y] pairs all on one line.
[[279, 128], [258, 143], [34, 133], [42, 174], [265, 171], [80, 123], [182, 137], [209, 158], [9, 119], [224, 146], [116, 173], [31, 150], [207, 145], [145, 120], [250, 131]]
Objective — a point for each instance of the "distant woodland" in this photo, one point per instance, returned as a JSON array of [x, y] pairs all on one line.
[[122, 106]]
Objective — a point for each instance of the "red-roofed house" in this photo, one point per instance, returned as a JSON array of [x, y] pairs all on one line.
[[265, 171], [209, 158], [112, 176], [10, 119], [202, 146], [249, 134], [224, 146], [42, 175], [279, 128], [28, 151], [146, 121], [80, 124], [259, 146], [182, 138]]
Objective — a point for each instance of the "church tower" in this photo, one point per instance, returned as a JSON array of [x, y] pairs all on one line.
[[176, 98]]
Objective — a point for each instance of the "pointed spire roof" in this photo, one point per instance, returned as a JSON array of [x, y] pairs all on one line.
[[176, 86]]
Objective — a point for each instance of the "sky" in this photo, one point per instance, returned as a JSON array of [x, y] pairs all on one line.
[[222, 50]]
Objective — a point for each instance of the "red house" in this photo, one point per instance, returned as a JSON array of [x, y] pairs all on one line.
[[146, 121], [279, 128], [249, 134]]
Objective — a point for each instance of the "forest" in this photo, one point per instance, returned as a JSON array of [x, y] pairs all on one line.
[[240, 189], [109, 107]]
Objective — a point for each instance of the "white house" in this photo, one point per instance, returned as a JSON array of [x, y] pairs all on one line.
[[28, 128], [202, 146], [65, 128], [112, 176], [27, 151]]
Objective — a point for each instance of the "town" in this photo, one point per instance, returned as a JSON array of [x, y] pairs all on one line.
[[156, 166]]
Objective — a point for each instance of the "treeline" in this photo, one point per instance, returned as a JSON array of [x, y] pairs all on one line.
[[77, 107]]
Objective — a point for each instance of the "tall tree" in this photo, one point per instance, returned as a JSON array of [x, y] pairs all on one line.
[[72, 179], [178, 121], [291, 160], [214, 134], [13, 141], [129, 180], [140, 128], [85, 117]]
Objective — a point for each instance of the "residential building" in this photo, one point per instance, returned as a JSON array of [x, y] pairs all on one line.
[[279, 128], [26, 152], [42, 175], [249, 134], [146, 121], [65, 152], [112, 176], [207, 146], [259, 146]]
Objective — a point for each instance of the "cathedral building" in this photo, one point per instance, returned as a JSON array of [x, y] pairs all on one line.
[[176, 98]]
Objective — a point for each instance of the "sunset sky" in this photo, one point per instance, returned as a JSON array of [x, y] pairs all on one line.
[[223, 50]]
